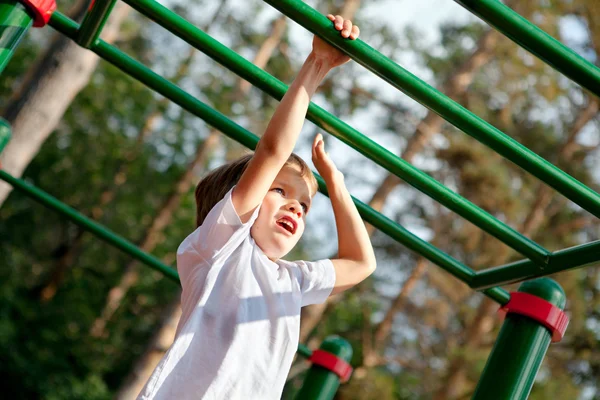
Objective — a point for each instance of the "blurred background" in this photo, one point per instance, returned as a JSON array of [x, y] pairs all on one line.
[[80, 320]]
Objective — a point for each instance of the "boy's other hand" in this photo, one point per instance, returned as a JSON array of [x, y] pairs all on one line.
[[330, 54], [325, 166]]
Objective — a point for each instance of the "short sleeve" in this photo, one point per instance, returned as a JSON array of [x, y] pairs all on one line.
[[219, 235], [317, 279]]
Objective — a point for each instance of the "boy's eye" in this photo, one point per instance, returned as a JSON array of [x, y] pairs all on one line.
[[304, 208], [279, 190]]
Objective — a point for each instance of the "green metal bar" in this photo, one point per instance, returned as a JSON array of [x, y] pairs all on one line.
[[538, 42], [4, 134], [246, 138], [275, 88], [321, 383], [89, 225], [519, 350], [441, 104], [15, 21], [102, 232], [94, 21], [561, 260], [304, 351]]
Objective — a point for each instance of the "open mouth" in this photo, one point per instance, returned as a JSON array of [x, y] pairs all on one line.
[[288, 224]]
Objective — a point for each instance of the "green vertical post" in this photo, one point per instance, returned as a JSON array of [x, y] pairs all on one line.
[[94, 21], [14, 23], [321, 383], [4, 133], [520, 349]]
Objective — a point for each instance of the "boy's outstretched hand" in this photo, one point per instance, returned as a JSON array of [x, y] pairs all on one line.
[[325, 167], [330, 54]]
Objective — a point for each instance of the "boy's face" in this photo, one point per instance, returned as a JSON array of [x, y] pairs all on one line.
[[280, 222]]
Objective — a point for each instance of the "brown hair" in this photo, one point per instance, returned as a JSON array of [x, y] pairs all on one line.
[[214, 186]]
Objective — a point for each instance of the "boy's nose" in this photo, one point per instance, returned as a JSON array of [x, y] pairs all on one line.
[[295, 208]]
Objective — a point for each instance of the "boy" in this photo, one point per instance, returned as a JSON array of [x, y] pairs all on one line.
[[241, 303]]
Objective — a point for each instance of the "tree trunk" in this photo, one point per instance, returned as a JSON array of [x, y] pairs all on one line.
[[384, 328], [266, 49], [483, 323], [160, 343], [162, 219], [35, 110]]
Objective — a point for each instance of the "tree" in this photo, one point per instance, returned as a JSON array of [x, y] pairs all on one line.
[[35, 110]]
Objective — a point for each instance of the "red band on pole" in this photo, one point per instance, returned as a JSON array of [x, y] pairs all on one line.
[[41, 9], [333, 363], [539, 310]]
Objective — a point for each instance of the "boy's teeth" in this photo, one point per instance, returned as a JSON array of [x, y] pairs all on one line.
[[287, 224]]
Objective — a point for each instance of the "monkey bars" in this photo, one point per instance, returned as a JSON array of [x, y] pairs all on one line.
[[539, 261]]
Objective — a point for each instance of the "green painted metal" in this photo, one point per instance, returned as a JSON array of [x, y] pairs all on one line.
[[89, 225], [304, 351], [15, 21], [561, 260], [441, 104], [4, 133], [519, 350], [275, 88], [159, 84], [320, 383], [94, 21], [538, 42]]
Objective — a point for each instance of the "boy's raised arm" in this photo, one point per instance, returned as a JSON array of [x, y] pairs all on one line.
[[356, 258], [279, 139]]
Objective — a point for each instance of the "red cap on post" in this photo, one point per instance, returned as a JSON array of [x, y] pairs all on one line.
[[333, 363], [539, 310], [42, 10]]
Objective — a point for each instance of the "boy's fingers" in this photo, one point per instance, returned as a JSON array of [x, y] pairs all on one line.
[[330, 17], [339, 22], [321, 147], [316, 140], [355, 32], [347, 28]]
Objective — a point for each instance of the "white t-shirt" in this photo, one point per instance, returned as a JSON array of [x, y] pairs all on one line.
[[241, 314]]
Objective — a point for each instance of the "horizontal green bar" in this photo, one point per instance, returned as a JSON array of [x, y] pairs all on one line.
[[538, 42], [94, 21], [441, 104], [561, 260], [275, 88], [89, 225], [101, 232], [238, 133]]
